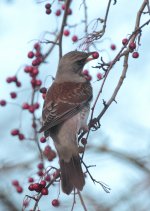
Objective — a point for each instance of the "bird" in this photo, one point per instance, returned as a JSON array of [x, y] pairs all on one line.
[[65, 112]]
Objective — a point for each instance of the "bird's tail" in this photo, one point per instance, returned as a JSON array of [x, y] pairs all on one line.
[[71, 174]]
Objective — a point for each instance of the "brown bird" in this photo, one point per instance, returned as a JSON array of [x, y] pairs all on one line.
[[65, 114]]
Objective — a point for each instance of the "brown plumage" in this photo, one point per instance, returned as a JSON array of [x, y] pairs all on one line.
[[65, 113]]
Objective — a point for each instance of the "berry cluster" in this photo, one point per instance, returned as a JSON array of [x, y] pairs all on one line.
[[16, 132], [13, 79], [87, 75], [30, 108], [132, 47], [48, 152], [18, 187]]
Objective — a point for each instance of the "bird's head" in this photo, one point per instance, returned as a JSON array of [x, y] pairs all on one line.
[[71, 65]]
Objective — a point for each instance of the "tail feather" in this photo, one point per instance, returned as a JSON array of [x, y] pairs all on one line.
[[71, 174]]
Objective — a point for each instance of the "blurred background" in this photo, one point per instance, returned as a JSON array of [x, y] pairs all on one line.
[[120, 149]]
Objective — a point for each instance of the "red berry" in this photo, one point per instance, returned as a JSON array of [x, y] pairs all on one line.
[[99, 76], [36, 105], [84, 141], [47, 6], [69, 12], [74, 38], [13, 95], [30, 54], [113, 47], [89, 78], [48, 178], [18, 84], [125, 41], [135, 55], [14, 78], [28, 69], [9, 80], [25, 106], [43, 90], [19, 189], [63, 7], [55, 202], [31, 187], [40, 166], [35, 71], [2, 102], [15, 183], [21, 137], [132, 45], [43, 139], [48, 11], [58, 12], [38, 82], [30, 179], [44, 191], [66, 32], [26, 203], [85, 72], [43, 183], [15, 132], [37, 187], [37, 46], [31, 109], [40, 173], [95, 55]]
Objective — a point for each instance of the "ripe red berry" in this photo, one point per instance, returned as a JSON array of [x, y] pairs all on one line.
[[19, 189], [35, 71], [38, 82], [31, 109], [55, 202], [43, 139], [132, 45], [15, 183], [43, 183], [37, 46], [37, 187], [125, 41], [31, 187], [48, 11], [113, 47], [18, 84], [25, 106], [14, 78], [66, 32], [99, 76], [135, 55], [36, 105], [30, 54], [30, 179], [15, 132], [95, 55], [47, 6], [88, 77], [69, 12], [58, 12], [21, 137], [40, 166], [63, 7], [9, 80], [85, 72], [44, 191], [2, 102], [48, 178], [13, 95], [74, 38]]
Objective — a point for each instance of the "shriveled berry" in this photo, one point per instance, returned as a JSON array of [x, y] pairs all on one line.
[[55, 202], [43, 90], [95, 55], [74, 38], [30, 54], [125, 41], [135, 55], [66, 32], [84, 141]]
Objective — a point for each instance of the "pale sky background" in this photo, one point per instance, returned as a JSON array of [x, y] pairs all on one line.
[[125, 124]]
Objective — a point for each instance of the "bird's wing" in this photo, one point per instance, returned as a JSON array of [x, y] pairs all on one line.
[[64, 100]]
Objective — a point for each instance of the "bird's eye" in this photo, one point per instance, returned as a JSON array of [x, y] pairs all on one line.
[[81, 62]]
